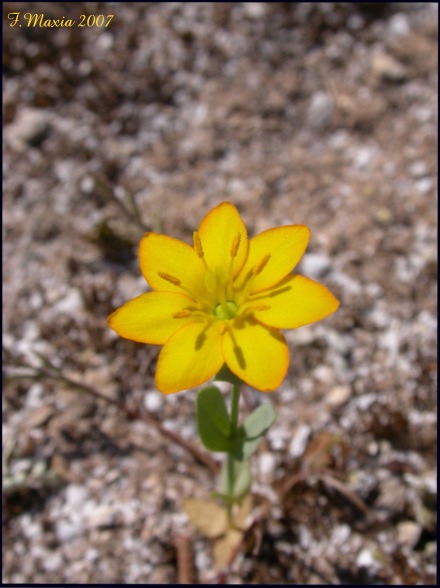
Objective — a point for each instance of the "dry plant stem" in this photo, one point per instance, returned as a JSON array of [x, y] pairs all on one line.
[[51, 372], [133, 215], [185, 560]]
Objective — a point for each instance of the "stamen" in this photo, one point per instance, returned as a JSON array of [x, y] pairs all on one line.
[[198, 245], [235, 245], [261, 265], [248, 308], [168, 278], [182, 314]]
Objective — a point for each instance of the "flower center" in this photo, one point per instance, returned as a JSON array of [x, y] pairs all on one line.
[[226, 311]]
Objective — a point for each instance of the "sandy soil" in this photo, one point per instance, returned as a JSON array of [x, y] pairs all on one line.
[[322, 114]]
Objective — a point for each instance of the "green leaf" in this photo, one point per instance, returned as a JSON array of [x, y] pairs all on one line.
[[242, 480], [213, 420], [251, 432]]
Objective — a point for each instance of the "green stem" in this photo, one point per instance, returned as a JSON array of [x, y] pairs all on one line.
[[235, 401]]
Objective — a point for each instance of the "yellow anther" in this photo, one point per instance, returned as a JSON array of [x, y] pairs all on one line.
[[182, 314], [168, 278], [235, 245], [261, 307], [198, 245], [261, 265]]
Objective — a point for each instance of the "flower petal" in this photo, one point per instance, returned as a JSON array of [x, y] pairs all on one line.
[[170, 265], [222, 232], [148, 318], [277, 250], [190, 357], [256, 354], [294, 302]]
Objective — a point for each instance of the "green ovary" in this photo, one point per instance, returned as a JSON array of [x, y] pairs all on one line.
[[227, 312]]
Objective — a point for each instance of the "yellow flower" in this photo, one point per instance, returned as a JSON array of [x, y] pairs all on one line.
[[222, 301]]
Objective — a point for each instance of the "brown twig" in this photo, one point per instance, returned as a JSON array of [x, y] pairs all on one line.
[[185, 560], [51, 372], [345, 491], [134, 214]]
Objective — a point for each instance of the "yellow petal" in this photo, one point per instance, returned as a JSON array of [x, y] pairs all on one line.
[[256, 354], [170, 265], [223, 239], [148, 318], [190, 357], [273, 254], [294, 302]]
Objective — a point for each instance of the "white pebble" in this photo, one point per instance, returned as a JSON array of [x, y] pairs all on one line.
[[320, 109], [67, 530], [76, 495], [299, 441], [424, 185], [398, 25], [153, 401], [408, 533], [315, 265], [266, 467], [338, 395], [366, 559], [71, 303]]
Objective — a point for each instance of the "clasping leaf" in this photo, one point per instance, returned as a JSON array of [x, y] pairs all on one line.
[[251, 432], [213, 420]]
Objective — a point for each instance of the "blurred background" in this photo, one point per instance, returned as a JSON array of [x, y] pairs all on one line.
[[322, 114]]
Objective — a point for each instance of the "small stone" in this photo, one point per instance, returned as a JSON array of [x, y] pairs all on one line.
[[430, 549], [320, 110], [365, 401], [392, 496], [324, 374], [85, 68], [76, 495], [408, 533], [363, 156], [105, 41], [341, 534], [68, 530], [424, 185], [373, 448], [266, 467], [366, 559], [52, 562], [87, 185], [254, 10], [338, 395], [101, 516], [34, 395], [418, 169], [383, 215], [153, 401], [299, 441], [315, 265], [71, 303], [31, 126], [388, 68], [398, 25], [91, 554]]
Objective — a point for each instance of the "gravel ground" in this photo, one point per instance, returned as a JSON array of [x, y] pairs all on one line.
[[305, 113]]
